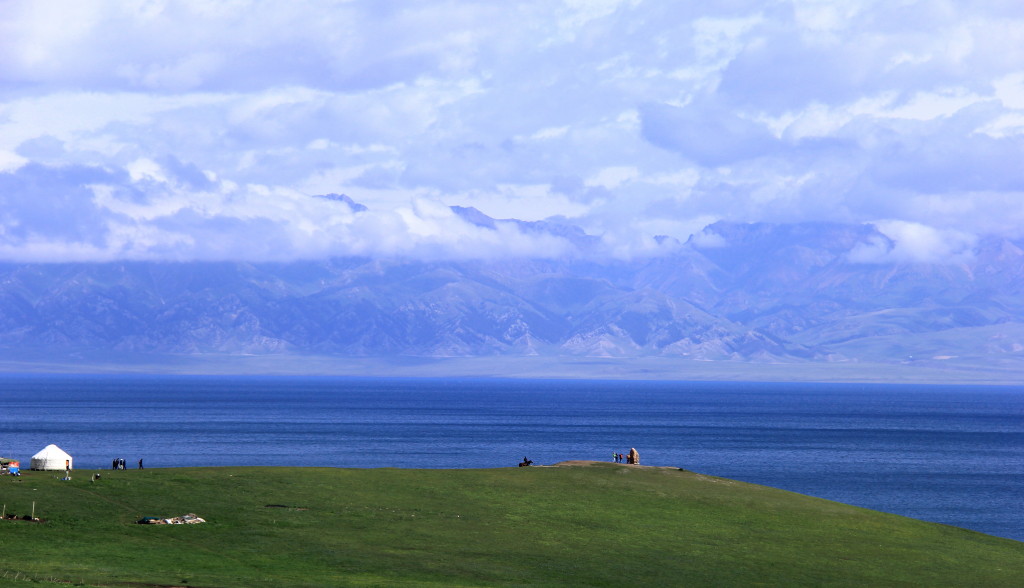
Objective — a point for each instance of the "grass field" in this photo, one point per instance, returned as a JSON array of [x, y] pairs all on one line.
[[589, 525]]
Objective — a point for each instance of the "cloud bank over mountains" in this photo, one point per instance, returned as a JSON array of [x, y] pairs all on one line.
[[190, 130]]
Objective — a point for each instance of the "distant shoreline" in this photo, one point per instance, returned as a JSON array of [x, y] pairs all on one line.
[[559, 464], [534, 367]]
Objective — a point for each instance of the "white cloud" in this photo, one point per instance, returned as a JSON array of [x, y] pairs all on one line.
[[528, 202], [206, 120], [550, 133], [81, 116], [717, 40], [708, 239], [320, 144], [613, 177], [1009, 89], [907, 242], [577, 13], [150, 211], [145, 169], [931, 105], [10, 161]]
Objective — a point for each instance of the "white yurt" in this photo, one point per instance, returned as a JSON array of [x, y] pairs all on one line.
[[51, 458]]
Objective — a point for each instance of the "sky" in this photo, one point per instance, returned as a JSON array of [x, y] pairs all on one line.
[[200, 130]]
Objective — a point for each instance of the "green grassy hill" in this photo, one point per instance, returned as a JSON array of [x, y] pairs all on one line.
[[589, 525]]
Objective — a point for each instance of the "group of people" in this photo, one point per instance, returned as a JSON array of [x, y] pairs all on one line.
[[119, 464], [633, 457]]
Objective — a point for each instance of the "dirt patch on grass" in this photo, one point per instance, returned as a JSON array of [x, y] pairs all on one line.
[[585, 463]]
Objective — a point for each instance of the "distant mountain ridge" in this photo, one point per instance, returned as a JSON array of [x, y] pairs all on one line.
[[741, 292]]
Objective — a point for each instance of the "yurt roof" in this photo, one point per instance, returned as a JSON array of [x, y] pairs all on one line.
[[51, 451]]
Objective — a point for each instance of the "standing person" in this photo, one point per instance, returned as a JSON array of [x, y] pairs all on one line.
[[113, 464], [140, 463], [615, 457]]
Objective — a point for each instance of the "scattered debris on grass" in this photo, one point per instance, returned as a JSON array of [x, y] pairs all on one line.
[[13, 517], [188, 519]]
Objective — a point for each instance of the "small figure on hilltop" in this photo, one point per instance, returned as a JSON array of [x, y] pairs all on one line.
[[140, 464], [526, 462], [633, 457]]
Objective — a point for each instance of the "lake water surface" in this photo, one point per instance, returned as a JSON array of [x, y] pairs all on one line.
[[949, 454]]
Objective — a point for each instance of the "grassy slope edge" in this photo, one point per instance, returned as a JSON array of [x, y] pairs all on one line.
[[595, 525]]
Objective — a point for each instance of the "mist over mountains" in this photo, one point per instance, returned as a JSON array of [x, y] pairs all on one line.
[[769, 293]]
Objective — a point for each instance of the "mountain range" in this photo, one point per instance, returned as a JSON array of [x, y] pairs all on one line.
[[761, 293]]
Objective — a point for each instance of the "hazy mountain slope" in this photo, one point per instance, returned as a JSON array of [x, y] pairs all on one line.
[[739, 292]]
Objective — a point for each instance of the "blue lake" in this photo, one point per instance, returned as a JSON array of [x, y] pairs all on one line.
[[949, 454]]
